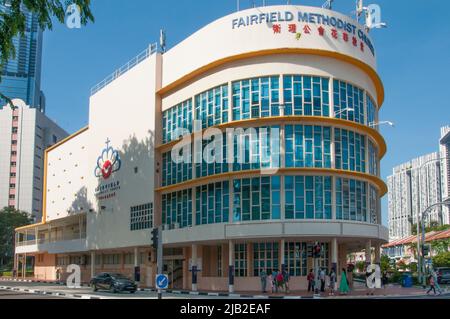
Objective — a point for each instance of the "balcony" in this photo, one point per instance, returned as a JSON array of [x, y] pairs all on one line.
[[66, 244]]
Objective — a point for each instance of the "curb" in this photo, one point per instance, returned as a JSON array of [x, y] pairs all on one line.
[[48, 293]]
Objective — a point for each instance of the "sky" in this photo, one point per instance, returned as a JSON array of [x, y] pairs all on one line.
[[413, 60]]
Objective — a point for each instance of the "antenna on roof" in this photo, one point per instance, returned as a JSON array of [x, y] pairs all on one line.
[[162, 40], [238, 5], [328, 4]]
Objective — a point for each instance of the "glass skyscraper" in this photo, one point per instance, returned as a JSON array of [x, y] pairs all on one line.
[[21, 76]]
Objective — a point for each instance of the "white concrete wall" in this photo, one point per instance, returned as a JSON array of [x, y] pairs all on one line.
[[5, 154], [219, 40], [124, 112], [67, 174]]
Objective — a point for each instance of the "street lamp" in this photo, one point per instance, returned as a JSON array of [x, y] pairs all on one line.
[[446, 202], [374, 124], [347, 109], [419, 259]]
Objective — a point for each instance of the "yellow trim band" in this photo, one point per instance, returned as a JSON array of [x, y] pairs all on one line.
[[376, 136], [324, 53], [382, 187]]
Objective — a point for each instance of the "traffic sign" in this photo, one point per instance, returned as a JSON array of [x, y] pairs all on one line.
[[162, 281]]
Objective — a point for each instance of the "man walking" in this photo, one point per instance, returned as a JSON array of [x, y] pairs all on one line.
[[263, 277], [322, 280]]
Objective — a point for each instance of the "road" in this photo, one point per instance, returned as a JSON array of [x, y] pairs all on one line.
[[49, 291]]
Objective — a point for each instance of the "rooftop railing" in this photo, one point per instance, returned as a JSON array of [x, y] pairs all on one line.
[[152, 49]]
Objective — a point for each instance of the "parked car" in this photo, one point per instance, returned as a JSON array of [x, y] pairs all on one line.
[[113, 282], [443, 275]]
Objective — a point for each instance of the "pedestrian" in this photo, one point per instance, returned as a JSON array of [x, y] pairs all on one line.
[[432, 285], [274, 276], [436, 282], [270, 281], [332, 282], [370, 291], [263, 276], [280, 280], [58, 275], [286, 278], [343, 287], [310, 279], [322, 277], [384, 279]]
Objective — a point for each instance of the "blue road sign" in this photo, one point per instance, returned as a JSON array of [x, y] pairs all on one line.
[[162, 281]]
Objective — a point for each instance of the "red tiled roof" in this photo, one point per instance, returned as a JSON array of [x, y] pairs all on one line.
[[431, 236]]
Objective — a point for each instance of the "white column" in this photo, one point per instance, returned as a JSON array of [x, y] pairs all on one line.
[[92, 264], [334, 254], [136, 254], [282, 256], [368, 252], [231, 266], [194, 266]]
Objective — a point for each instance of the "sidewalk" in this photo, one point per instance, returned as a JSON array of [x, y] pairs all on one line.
[[359, 291]]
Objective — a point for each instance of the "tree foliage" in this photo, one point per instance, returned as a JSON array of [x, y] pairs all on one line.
[[442, 260], [13, 22], [10, 219]]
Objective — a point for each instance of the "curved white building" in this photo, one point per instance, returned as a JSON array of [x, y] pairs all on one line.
[[304, 75]]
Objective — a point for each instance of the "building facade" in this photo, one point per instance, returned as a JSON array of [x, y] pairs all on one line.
[[413, 187], [21, 76], [304, 76], [25, 133]]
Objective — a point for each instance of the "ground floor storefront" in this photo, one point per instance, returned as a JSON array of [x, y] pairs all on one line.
[[226, 266]]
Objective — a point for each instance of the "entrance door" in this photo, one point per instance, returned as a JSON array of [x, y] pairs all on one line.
[[174, 270]]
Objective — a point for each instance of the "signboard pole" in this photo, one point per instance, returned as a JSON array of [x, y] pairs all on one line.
[[159, 257]]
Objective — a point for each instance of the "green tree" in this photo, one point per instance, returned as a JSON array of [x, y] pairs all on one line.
[[442, 260], [441, 246], [10, 219], [13, 22], [385, 264]]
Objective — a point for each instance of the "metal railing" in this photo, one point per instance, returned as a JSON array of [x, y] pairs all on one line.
[[152, 49], [43, 241]]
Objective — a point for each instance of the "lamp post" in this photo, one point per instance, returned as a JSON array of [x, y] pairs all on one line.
[[347, 109], [420, 263], [374, 124], [446, 202]]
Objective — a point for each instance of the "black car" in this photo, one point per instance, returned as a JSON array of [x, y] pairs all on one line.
[[113, 282]]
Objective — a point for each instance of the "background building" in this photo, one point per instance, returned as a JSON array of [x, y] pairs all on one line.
[[25, 133], [416, 185], [21, 77]]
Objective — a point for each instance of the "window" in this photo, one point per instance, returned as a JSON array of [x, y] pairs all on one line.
[[14, 142], [179, 116], [12, 197], [54, 139], [211, 107], [373, 159], [265, 257], [13, 164], [177, 209], [174, 173], [14, 153], [308, 197], [111, 259], [15, 130], [129, 259], [373, 202], [141, 217], [212, 203], [306, 95], [12, 174], [350, 150], [255, 98], [308, 146], [256, 148], [211, 167], [296, 256], [12, 185], [372, 112], [348, 102], [257, 199], [240, 260], [15, 118], [351, 200]]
